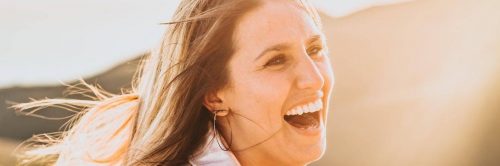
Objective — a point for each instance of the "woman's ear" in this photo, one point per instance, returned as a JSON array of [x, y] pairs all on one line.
[[214, 102]]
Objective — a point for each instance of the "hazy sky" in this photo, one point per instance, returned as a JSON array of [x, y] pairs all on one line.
[[44, 42]]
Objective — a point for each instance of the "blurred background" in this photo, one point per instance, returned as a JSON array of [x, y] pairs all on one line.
[[417, 81]]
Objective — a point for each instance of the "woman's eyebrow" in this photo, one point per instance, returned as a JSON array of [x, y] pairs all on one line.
[[277, 47], [314, 39]]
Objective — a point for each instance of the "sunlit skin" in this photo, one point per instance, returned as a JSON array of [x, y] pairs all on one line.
[[280, 62]]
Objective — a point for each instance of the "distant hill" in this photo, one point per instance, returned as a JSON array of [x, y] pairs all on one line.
[[21, 127]]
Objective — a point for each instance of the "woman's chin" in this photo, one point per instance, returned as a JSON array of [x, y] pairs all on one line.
[[306, 154], [318, 152], [305, 159]]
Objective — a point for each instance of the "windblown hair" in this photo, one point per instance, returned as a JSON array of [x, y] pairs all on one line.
[[163, 111]]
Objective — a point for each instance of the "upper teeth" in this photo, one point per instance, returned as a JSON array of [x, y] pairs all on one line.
[[306, 108]]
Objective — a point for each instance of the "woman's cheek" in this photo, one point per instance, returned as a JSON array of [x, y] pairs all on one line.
[[271, 92]]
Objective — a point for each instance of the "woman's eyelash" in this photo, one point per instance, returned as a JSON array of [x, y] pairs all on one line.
[[315, 50], [281, 58], [277, 60]]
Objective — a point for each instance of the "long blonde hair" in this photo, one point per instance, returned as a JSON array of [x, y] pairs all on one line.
[[163, 111]]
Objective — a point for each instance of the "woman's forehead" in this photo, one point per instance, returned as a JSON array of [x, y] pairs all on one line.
[[273, 23]]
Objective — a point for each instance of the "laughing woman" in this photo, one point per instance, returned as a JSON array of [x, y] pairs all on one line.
[[234, 82]]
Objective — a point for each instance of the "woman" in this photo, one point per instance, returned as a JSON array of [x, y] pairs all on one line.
[[234, 82]]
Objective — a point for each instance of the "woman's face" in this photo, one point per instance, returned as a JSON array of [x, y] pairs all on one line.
[[280, 69]]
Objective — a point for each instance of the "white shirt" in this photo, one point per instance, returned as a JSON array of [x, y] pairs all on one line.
[[212, 154]]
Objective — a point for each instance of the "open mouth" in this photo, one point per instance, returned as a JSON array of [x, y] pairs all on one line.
[[305, 116]]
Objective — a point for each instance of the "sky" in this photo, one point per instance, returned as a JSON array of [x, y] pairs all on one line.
[[52, 41]]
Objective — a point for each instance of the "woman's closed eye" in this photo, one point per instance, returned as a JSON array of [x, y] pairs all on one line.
[[277, 60], [315, 51], [281, 59]]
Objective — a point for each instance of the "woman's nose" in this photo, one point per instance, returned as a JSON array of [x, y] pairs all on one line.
[[309, 75]]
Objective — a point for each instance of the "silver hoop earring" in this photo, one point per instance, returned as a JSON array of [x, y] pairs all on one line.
[[216, 133]]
